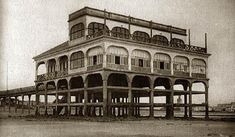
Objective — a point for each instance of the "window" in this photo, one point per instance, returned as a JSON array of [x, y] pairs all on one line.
[[120, 32], [97, 29], [94, 60], [141, 36], [141, 63], [117, 60], [161, 40], [181, 64], [63, 63], [77, 31], [51, 66], [162, 61], [198, 66], [77, 60], [175, 42], [161, 65]]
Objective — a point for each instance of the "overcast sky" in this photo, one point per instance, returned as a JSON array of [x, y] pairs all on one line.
[[30, 27]]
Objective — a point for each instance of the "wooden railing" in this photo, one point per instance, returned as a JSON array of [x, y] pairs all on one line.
[[52, 75]]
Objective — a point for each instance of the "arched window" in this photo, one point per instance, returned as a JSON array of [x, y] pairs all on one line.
[[95, 56], [117, 55], [181, 64], [77, 31], [97, 29], [198, 66], [141, 36], [162, 61], [159, 39], [63, 63], [77, 60], [51, 65], [120, 32], [140, 58], [178, 43]]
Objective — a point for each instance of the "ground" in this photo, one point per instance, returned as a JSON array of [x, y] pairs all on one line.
[[54, 127]]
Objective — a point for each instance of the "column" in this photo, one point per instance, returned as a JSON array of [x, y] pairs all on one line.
[[185, 107], [29, 97], [206, 104], [56, 102], [69, 101], [170, 102], [22, 104], [45, 104], [130, 99], [118, 101], [16, 105], [9, 104], [190, 101], [85, 98], [37, 104], [151, 99], [105, 99]]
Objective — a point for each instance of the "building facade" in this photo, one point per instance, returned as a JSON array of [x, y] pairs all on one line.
[[111, 61]]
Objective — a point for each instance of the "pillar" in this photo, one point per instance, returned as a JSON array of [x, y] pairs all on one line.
[[22, 104], [206, 104], [151, 99], [69, 101], [170, 103], [185, 102], [118, 101], [9, 104], [105, 99], [29, 96], [56, 102], [37, 105], [45, 104], [190, 101], [85, 98], [16, 104], [130, 99]]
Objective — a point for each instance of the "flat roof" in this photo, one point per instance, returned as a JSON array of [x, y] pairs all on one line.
[[126, 19]]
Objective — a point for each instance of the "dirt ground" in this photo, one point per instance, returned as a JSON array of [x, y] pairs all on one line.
[[46, 127]]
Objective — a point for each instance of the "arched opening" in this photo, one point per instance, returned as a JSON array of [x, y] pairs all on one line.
[[40, 87], [162, 63], [198, 68], [141, 36], [77, 60], [141, 82], [94, 80], [51, 65], [160, 40], [117, 80], [120, 32], [77, 31], [162, 83], [63, 62], [181, 66], [97, 29], [95, 57], [184, 85], [117, 56], [177, 43], [62, 84], [140, 61], [50, 86], [41, 68], [198, 86], [76, 82]]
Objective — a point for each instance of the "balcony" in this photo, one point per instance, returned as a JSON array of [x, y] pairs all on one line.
[[181, 73], [198, 75], [162, 71], [52, 75], [141, 69], [94, 67], [117, 66]]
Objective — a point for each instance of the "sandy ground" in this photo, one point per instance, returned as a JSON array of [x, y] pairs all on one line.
[[74, 127]]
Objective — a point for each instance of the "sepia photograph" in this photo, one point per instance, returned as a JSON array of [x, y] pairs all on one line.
[[117, 68]]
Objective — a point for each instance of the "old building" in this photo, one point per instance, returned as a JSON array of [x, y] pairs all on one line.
[[111, 61]]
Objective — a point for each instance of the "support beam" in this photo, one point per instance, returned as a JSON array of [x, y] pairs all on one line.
[[105, 99], [29, 104], [37, 104], [85, 98], [190, 101], [151, 99], [45, 103], [9, 104], [22, 104], [69, 101], [130, 99], [207, 104], [16, 104]]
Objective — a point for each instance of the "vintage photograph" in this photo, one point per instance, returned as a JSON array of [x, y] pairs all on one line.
[[117, 68]]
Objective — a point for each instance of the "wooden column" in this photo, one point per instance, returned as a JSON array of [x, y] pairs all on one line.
[[29, 101], [69, 101], [105, 99], [16, 104], [185, 107], [45, 103], [151, 99], [130, 99], [170, 102], [22, 104], [190, 101], [206, 104], [9, 104], [56, 102], [118, 101], [37, 105], [85, 99]]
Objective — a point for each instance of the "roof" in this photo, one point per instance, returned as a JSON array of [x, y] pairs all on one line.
[[18, 91], [53, 50]]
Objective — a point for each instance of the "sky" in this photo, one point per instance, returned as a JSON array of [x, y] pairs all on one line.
[[30, 27]]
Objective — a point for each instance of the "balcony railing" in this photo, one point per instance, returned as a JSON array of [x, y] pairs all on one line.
[[117, 66], [141, 69], [198, 75], [94, 67], [162, 71], [52, 75], [181, 73], [183, 47]]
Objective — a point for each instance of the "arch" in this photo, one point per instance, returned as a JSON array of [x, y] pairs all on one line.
[[199, 86], [41, 68], [181, 63], [141, 81], [62, 84], [178, 43], [77, 60], [198, 67], [141, 36], [97, 29], [77, 31], [50, 85], [120, 32], [165, 82], [117, 55], [140, 58], [162, 61], [116, 79], [94, 80], [159, 39], [76, 82], [95, 56], [40, 87], [63, 62], [185, 83], [51, 65]]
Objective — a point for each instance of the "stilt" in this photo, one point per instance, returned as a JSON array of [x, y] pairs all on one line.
[[29, 106]]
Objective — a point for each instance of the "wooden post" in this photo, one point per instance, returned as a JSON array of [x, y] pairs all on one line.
[[190, 101], [9, 104], [130, 99], [37, 104], [206, 104], [45, 103], [206, 42], [85, 99], [16, 104], [151, 99], [105, 100], [69, 101], [29, 97], [22, 104]]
